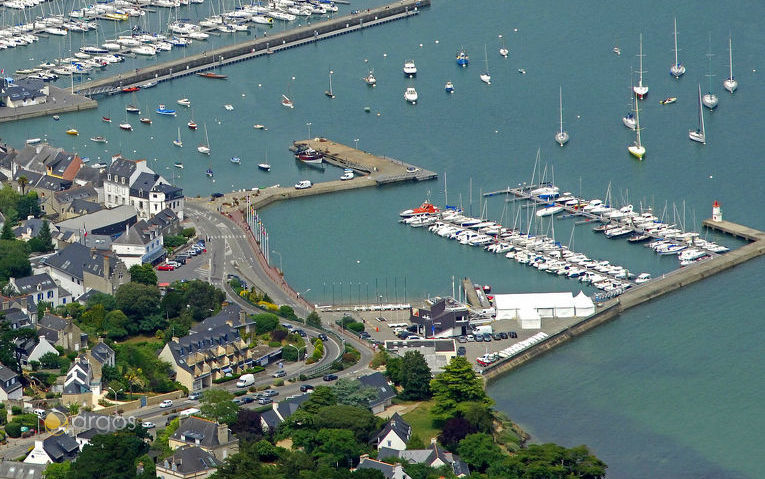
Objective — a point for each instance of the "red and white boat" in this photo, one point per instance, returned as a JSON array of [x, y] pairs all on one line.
[[192, 125], [106, 119], [425, 208]]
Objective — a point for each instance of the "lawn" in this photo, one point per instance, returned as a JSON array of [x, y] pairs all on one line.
[[421, 422]]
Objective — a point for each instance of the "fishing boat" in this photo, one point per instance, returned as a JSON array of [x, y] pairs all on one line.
[[503, 49], [677, 69], [485, 76], [449, 87], [329, 92], [162, 110], [710, 99], [216, 76], [308, 155], [561, 137], [132, 109], [425, 208], [640, 90], [106, 119], [637, 149], [145, 120], [130, 89], [205, 147], [370, 79], [236, 160], [410, 95], [72, 131], [98, 139], [410, 69], [33, 141], [462, 58], [699, 134], [126, 126], [669, 100], [177, 142], [178, 164], [185, 102], [730, 83]]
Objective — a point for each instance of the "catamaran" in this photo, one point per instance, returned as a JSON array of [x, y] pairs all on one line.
[[561, 137], [730, 83], [677, 69], [205, 148], [640, 90], [485, 76], [637, 149], [699, 134]]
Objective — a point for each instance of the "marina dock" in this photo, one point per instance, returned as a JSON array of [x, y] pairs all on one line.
[[266, 45], [59, 101]]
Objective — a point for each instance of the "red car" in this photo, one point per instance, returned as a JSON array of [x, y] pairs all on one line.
[[165, 267]]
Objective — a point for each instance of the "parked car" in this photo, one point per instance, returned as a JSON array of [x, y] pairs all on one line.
[[470, 338], [279, 374], [148, 425], [503, 335], [487, 337], [180, 260], [513, 334], [304, 388], [413, 337], [323, 337], [174, 264], [300, 332], [165, 267], [195, 396], [245, 380], [288, 326], [216, 195], [265, 401], [479, 338], [461, 351], [237, 401], [330, 377], [461, 339], [166, 403], [496, 336], [247, 399], [270, 393]]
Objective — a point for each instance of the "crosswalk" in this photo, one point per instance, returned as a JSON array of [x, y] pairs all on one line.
[[232, 236]]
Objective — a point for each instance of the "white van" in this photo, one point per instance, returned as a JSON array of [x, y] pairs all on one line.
[[245, 380], [189, 412]]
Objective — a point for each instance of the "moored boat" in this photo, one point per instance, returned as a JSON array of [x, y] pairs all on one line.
[[264, 166], [126, 126], [98, 139], [410, 69], [162, 110], [184, 101], [106, 119], [216, 76], [410, 95], [145, 120], [72, 131], [449, 87], [668, 101], [462, 58]]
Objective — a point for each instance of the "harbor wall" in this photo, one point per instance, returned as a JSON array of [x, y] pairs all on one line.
[[59, 101]]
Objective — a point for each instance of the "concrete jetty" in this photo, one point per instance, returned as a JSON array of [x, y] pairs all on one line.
[[59, 101], [265, 45], [640, 294]]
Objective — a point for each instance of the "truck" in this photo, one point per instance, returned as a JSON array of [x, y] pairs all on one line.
[[245, 380]]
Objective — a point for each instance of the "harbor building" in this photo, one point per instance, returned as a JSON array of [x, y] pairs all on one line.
[[530, 308]]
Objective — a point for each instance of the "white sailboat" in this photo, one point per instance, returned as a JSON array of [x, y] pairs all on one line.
[[637, 149], [329, 92], [177, 142], [205, 148], [730, 83], [640, 90], [370, 78], [286, 101], [699, 134], [710, 99], [678, 69], [485, 76], [629, 118], [561, 137], [503, 49]]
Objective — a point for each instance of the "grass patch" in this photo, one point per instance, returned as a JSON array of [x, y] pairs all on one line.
[[422, 423]]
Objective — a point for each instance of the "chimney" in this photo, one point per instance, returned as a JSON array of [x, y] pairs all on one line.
[[106, 266], [222, 434], [127, 228], [174, 339]]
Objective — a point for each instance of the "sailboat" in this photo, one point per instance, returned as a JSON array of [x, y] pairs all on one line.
[[640, 90], [730, 83], [710, 99], [637, 149], [370, 78], [485, 76], [178, 164], [699, 134], [629, 118], [286, 101], [677, 69], [329, 92], [191, 124], [561, 137], [205, 148], [177, 142], [503, 49]]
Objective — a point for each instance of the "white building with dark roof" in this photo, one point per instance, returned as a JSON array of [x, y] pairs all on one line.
[[56, 448], [188, 462], [120, 175], [140, 244], [394, 435], [217, 439], [79, 269], [41, 287], [23, 92], [10, 385]]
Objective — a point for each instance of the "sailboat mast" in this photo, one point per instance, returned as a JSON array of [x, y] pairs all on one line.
[[675, 40], [560, 101], [730, 57], [637, 121], [640, 81], [701, 116]]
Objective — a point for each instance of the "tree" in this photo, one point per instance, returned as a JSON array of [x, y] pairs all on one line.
[[455, 430], [321, 396], [478, 414], [265, 322], [44, 238], [28, 205], [144, 274], [116, 325], [49, 361], [479, 451], [457, 383], [13, 258], [358, 420], [415, 377], [138, 300], [217, 405], [109, 456], [57, 470], [352, 393], [337, 447], [247, 426], [550, 460], [7, 230], [8, 339], [394, 369], [23, 181], [313, 320], [106, 300], [266, 451]]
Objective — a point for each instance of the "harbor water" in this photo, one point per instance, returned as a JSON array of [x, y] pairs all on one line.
[[669, 389]]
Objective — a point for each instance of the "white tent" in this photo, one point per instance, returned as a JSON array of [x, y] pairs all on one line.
[[546, 305], [529, 319], [583, 305]]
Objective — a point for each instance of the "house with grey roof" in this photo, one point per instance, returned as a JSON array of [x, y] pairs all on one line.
[[20, 470], [102, 353], [186, 463], [394, 435], [110, 222], [56, 448], [91, 176], [42, 288], [23, 92], [17, 318], [62, 332], [390, 471], [217, 439], [60, 202], [10, 385], [142, 243], [433, 456], [79, 269], [79, 207], [120, 175], [32, 349], [385, 391]]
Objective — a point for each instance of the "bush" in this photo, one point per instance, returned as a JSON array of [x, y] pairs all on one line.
[[188, 232], [278, 335], [16, 410], [13, 429], [355, 327], [174, 241], [274, 344], [279, 382]]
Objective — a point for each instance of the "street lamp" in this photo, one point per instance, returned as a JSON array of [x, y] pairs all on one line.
[[115, 392], [356, 143], [297, 350], [280, 259], [308, 125]]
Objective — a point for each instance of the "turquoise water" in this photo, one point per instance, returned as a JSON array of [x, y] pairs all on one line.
[[670, 389]]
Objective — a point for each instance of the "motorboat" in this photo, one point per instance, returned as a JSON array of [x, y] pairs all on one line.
[[370, 79], [126, 126], [209, 173], [228, 107], [132, 109], [668, 101], [347, 175], [410, 69], [145, 120], [258, 126], [236, 160], [106, 119], [98, 139], [192, 125], [550, 210], [216, 76], [33, 141], [178, 164], [410, 95], [162, 110], [425, 208], [264, 166], [72, 131], [449, 87], [184, 101], [462, 58]]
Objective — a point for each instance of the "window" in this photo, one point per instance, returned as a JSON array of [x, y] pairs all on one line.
[[109, 176], [39, 296], [63, 300], [123, 180], [50, 294]]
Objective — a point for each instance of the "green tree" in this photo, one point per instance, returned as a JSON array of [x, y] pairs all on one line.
[[13, 258], [394, 369], [457, 383], [266, 451], [28, 205], [352, 393], [161, 444], [265, 322], [49, 361], [478, 414], [116, 325], [109, 456], [137, 300], [8, 339], [46, 242], [415, 377], [358, 420], [108, 301], [144, 274], [217, 405], [313, 320], [322, 396], [337, 447], [203, 299], [7, 233], [23, 181], [549, 460], [57, 470], [479, 451]]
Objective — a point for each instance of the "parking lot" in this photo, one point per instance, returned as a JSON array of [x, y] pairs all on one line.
[[195, 266]]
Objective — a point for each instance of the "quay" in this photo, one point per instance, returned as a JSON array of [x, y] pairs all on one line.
[[265, 45], [373, 170], [59, 101], [640, 294]]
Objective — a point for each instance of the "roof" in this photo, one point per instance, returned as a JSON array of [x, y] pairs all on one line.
[[123, 167], [287, 407], [36, 282], [143, 184], [135, 235], [75, 193], [271, 419], [190, 460], [21, 470], [56, 323], [387, 469], [87, 174], [60, 162], [52, 183], [171, 192], [396, 424], [17, 318], [6, 373], [164, 218], [82, 206], [60, 447], [193, 428], [204, 340], [534, 300], [581, 300], [377, 381], [101, 352], [99, 219], [77, 258], [229, 315]]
